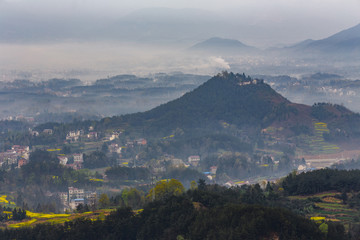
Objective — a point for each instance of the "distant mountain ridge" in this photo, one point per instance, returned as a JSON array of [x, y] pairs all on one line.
[[346, 41], [223, 45]]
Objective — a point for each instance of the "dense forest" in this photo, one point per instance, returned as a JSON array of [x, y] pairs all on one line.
[[205, 212], [321, 181]]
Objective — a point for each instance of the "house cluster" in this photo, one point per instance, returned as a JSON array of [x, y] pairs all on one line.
[[17, 155], [74, 161], [76, 196], [251, 81], [75, 136]]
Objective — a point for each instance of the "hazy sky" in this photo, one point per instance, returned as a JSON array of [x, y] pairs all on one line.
[[36, 35], [301, 18]]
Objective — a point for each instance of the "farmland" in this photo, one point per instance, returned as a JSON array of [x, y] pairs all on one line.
[[328, 207], [37, 218]]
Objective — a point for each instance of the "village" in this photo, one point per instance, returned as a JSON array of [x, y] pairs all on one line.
[[113, 144]]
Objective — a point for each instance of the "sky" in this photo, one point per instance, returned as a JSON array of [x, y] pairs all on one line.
[[302, 19], [60, 37]]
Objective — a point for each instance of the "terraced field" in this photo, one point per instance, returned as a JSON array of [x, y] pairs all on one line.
[[315, 144], [331, 208]]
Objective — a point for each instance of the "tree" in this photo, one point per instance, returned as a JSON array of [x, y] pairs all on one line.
[[324, 228], [18, 214], [105, 148], [193, 185], [135, 198], [96, 159], [104, 200], [201, 184], [165, 189], [344, 197], [268, 187]]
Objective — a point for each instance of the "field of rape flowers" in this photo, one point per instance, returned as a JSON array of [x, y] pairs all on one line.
[[6, 201], [51, 218]]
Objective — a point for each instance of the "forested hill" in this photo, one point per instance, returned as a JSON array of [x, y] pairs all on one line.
[[227, 97]]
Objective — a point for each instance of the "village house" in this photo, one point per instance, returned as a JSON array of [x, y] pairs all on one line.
[[48, 131], [76, 193], [63, 160], [76, 196], [34, 133], [73, 136], [229, 184], [64, 199], [22, 162], [176, 162], [130, 144], [112, 136], [90, 198], [114, 148], [74, 166], [78, 161], [92, 135], [74, 203], [78, 158], [6, 159], [194, 160], [213, 169], [141, 141], [24, 150]]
